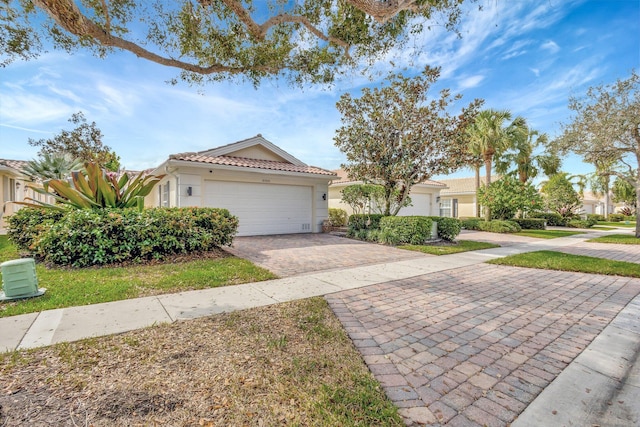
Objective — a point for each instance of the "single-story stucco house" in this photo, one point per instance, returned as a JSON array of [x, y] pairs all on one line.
[[459, 199], [14, 189], [268, 189], [424, 196]]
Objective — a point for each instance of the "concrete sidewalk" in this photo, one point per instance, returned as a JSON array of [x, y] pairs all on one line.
[[585, 393], [75, 323]]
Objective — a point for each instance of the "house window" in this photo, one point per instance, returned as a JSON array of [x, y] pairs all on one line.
[[445, 208], [8, 189], [164, 195]]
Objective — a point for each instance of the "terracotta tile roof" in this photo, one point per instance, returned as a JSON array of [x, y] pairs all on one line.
[[244, 162], [463, 185], [344, 178], [14, 164]]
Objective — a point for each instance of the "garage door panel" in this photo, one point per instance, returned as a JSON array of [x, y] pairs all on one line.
[[421, 205], [263, 208]]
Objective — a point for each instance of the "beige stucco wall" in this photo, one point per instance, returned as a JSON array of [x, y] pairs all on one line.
[[195, 177]]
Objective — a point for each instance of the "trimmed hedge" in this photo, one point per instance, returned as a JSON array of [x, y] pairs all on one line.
[[84, 237], [493, 226], [405, 229], [359, 222], [448, 228], [616, 217], [581, 223], [531, 223], [471, 223], [25, 225], [596, 217], [553, 218], [337, 217]]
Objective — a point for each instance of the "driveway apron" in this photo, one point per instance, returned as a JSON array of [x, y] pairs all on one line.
[[295, 254], [474, 346]]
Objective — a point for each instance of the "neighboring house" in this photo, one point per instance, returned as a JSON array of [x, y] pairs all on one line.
[[459, 199], [269, 190], [424, 196], [14, 189], [592, 204]]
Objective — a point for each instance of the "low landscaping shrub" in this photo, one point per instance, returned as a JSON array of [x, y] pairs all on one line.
[[359, 222], [531, 223], [395, 230], [87, 237], [616, 217], [596, 217], [630, 218], [472, 223], [337, 217], [500, 226], [448, 228], [25, 225], [553, 218], [581, 223]]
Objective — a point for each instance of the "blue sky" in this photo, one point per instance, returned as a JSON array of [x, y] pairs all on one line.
[[525, 56]]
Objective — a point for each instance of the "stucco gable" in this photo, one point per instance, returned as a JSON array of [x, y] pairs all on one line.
[[257, 148]]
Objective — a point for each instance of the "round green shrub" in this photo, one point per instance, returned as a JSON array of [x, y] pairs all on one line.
[[405, 229], [86, 237], [448, 228], [27, 224]]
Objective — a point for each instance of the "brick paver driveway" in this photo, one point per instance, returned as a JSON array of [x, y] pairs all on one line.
[[618, 252], [474, 346], [293, 254]]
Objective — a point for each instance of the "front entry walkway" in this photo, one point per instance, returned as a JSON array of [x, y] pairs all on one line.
[[474, 346]]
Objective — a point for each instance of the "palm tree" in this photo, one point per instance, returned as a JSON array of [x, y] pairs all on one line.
[[488, 136], [521, 156], [51, 166]]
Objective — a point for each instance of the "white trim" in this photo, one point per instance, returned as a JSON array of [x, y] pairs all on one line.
[[250, 142]]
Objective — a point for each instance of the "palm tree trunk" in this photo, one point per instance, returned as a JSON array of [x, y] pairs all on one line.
[[487, 171], [477, 168]]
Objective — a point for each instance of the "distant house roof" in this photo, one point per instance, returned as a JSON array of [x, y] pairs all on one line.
[[227, 155], [18, 165], [343, 178], [463, 185]]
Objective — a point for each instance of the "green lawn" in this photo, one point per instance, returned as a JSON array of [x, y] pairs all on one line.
[[547, 234], [551, 260], [459, 246], [632, 224], [73, 287], [624, 239]]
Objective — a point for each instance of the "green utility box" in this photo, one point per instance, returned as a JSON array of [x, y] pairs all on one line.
[[19, 279]]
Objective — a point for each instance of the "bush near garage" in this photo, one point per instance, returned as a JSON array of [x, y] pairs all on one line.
[[363, 222], [448, 228], [531, 223], [597, 217], [395, 230], [87, 237], [472, 223], [337, 217]]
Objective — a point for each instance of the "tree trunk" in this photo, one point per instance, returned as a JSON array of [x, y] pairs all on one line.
[[477, 167], [637, 205], [487, 171]]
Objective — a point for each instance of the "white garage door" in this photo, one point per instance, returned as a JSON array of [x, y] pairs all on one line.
[[420, 205], [263, 208]]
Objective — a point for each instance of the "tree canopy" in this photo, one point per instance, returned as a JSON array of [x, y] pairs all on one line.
[[396, 137], [304, 41], [84, 143], [605, 130]]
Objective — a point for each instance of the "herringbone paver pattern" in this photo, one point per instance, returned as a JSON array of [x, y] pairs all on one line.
[[474, 346], [294, 254]]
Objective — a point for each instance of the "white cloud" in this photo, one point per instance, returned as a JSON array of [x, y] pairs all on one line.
[[471, 81], [535, 71], [551, 46]]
